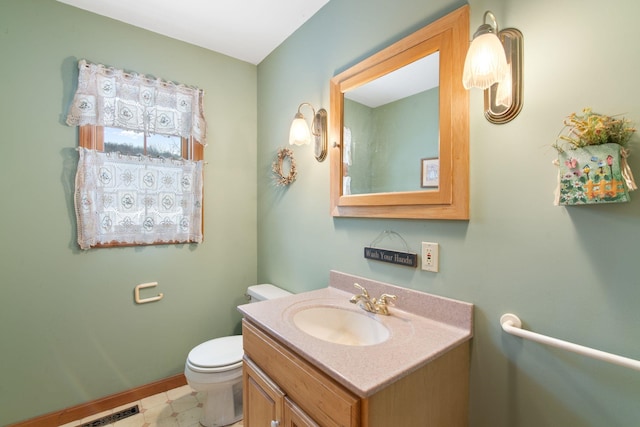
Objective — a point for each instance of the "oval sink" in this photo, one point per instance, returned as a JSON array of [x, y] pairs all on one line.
[[340, 326]]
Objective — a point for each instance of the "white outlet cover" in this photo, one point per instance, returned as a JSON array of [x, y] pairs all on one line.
[[430, 256]]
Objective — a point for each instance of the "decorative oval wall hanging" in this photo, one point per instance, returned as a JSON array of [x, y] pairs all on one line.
[[280, 178]]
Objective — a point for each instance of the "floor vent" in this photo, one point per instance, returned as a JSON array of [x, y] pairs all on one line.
[[110, 419]]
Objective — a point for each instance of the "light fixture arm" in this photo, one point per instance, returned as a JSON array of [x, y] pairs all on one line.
[[489, 14], [299, 115], [487, 28]]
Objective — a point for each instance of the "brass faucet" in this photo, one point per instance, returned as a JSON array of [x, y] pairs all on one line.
[[363, 299], [383, 303], [372, 305]]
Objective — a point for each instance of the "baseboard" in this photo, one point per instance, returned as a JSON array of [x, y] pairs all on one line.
[[68, 415]]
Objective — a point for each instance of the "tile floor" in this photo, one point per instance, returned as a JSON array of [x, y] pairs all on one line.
[[180, 407]]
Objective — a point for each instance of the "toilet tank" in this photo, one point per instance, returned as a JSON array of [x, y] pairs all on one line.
[[265, 291]]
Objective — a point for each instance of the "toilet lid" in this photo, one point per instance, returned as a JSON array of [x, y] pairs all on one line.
[[217, 353]]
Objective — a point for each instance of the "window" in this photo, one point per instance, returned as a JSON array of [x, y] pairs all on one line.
[[133, 143], [137, 143], [141, 145], [158, 203]]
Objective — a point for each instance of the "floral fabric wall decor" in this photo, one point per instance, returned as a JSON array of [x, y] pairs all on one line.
[[137, 200], [593, 174]]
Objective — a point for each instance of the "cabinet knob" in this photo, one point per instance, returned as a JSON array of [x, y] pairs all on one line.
[[275, 423]]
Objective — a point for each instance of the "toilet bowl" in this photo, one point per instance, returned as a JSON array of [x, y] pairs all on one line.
[[215, 367]]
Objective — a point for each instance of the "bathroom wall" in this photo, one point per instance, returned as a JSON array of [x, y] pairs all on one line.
[[69, 329], [567, 272], [386, 138]]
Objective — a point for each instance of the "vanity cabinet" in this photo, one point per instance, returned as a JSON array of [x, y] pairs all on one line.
[[296, 417], [282, 388], [263, 400], [266, 404]]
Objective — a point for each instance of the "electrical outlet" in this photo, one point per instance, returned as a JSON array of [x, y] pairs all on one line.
[[430, 256]]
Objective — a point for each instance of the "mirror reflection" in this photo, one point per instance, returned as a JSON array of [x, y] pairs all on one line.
[[391, 131]]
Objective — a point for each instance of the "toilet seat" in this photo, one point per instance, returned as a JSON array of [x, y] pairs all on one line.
[[217, 355]]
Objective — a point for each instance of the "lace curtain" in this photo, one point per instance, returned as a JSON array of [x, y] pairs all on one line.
[[137, 200], [111, 97]]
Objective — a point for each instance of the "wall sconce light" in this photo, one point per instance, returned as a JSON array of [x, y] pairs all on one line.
[[494, 64], [299, 133]]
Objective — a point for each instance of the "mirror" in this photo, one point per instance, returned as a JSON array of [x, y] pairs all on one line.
[[405, 156], [388, 123]]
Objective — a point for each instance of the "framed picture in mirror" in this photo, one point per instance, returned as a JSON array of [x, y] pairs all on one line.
[[430, 172]]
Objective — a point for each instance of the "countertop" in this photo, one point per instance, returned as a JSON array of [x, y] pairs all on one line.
[[422, 327]]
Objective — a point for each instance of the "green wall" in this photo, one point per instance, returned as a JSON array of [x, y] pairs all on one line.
[[571, 273], [70, 331], [407, 132], [390, 140]]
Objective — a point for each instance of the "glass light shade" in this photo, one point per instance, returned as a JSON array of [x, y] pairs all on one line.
[[486, 62], [299, 133], [504, 91]]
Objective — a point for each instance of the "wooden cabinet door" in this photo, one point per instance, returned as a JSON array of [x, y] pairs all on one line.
[[296, 417], [263, 400], [321, 398]]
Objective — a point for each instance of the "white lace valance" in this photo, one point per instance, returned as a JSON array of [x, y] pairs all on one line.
[[137, 199], [111, 97]]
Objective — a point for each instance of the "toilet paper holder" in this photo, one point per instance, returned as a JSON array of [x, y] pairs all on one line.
[[146, 300]]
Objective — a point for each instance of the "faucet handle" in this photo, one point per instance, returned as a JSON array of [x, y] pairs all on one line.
[[386, 299], [364, 291], [383, 303]]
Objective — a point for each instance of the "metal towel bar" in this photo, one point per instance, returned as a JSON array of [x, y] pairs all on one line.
[[511, 324]]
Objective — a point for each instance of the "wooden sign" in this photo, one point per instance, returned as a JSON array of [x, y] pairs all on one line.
[[393, 257]]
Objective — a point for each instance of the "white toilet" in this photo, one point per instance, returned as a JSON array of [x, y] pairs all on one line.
[[215, 367]]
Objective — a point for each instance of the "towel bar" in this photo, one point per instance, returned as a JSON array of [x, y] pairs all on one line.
[[511, 324]]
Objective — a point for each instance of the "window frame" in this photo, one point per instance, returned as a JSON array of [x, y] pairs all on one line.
[[91, 137]]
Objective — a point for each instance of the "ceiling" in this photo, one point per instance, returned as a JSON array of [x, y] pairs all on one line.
[[247, 30], [417, 77]]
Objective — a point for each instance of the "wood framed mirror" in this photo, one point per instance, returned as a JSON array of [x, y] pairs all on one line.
[[432, 120]]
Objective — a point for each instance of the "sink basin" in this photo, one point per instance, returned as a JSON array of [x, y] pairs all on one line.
[[340, 326]]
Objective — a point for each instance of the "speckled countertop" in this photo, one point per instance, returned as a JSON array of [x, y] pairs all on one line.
[[421, 327]]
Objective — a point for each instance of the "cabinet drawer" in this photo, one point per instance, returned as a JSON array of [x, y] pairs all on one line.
[[327, 402]]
